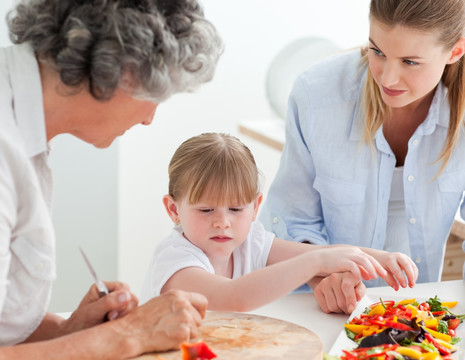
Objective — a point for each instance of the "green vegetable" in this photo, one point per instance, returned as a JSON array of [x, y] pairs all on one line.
[[351, 335], [428, 347], [375, 350], [443, 327], [435, 304]]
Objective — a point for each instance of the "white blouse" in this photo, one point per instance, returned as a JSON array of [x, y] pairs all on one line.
[[27, 242]]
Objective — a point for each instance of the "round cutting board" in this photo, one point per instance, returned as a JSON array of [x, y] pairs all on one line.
[[238, 336]]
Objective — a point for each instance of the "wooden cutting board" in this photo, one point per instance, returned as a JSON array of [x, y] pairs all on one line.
[[238, 336]]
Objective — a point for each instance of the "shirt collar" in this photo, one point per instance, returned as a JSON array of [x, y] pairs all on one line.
[[27, 97]]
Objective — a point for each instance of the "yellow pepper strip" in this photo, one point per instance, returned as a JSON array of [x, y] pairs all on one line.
[[430, 356], [449, 304], [408, 301], [357, 329], [413, 309], [439, 335], [377, 310], [447, 345], [372, 329], [431, 322], [411, 353]]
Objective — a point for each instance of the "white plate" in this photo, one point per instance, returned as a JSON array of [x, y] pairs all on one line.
[[344, 343]]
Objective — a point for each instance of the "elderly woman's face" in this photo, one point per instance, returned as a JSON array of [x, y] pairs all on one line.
[[103, 122]]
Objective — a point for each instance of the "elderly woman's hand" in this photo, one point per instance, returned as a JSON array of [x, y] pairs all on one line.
[[94, 310], [165, 321]]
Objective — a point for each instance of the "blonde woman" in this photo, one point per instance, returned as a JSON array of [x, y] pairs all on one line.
[[217, 248], [375, 147]]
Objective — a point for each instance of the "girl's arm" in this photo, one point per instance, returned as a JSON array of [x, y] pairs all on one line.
[[279, 278], [395, 263]]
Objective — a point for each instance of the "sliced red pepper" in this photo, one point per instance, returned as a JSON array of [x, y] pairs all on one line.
[[377, 322], [438, 313], [397, 325], [441, 348], [349, 356], [196, 351], [362, 353]]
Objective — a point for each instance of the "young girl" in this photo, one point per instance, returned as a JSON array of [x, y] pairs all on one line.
[[375, 142], [219, 250]]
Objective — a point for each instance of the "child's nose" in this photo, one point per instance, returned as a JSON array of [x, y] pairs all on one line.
[[222, 221]]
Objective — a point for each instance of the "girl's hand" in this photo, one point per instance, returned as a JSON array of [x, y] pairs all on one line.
[[94, 310], [338, 292], [399, 267], [342, 258]]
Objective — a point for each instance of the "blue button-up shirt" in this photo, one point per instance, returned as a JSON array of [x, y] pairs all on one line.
[[332, 187]]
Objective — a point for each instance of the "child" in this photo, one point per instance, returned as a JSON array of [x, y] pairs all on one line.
[[219, 250]]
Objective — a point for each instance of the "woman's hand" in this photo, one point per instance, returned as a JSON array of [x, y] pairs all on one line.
[[165, 321], [338, 292], [94, 310]]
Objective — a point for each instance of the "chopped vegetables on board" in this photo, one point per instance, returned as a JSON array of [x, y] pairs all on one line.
[[196, 351]]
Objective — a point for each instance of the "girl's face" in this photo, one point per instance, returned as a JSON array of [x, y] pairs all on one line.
[[217, 230], [407, 64]]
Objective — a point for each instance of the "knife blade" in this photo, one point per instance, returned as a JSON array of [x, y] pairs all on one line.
[[101, 287]]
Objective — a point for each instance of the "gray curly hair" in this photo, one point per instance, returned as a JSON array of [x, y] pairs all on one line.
[[154, 48]]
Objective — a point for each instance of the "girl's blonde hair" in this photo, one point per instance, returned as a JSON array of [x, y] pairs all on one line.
[[447, 17], [214, 167]]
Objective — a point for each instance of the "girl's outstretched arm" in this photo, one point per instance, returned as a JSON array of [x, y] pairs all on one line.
[[290, 265]]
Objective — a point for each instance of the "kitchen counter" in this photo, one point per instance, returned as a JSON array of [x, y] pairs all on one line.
[[302, 309]]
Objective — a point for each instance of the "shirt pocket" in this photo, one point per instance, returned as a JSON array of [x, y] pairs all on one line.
[[453, 181], [342, 204]]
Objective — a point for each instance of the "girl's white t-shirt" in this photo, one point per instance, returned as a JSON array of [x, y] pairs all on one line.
[[176, 252]]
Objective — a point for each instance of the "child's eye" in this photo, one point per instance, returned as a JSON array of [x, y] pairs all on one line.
[[410, 62], [235, 209], [206, 210], [376, 51]]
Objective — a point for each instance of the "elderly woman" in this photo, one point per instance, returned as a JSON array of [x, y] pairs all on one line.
[[91, 68]]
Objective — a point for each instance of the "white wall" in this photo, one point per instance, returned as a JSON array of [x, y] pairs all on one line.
[[121, 230]]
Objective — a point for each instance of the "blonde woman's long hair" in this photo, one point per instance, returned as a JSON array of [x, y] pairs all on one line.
[[214, 167], [447, 17]]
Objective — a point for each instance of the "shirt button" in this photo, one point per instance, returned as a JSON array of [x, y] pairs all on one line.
[[415, 142], [411, 178], [413, 220], [39, 266], [275, 220], [418, 260]]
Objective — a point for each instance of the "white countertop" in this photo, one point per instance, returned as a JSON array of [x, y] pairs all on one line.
[[302, 309]]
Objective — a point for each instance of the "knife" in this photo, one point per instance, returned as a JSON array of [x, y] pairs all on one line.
[[102, 289]]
